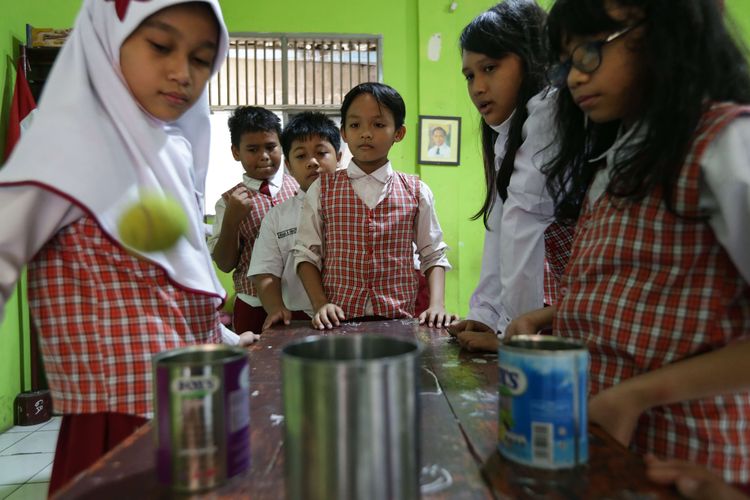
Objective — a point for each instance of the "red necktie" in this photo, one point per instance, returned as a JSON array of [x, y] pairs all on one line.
[[265, 189]]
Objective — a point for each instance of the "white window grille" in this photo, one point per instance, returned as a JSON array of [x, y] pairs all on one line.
[[284, 72]]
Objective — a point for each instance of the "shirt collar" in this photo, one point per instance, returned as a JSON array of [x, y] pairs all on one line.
[[626, 141], [275, 181], [381, 175], [502, 131]]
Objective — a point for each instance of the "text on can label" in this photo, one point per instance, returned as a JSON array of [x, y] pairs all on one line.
[[195, 386], [513, 379]]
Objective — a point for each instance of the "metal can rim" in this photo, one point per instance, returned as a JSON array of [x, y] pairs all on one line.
[[415, 352], [233, 353], [540, 341]]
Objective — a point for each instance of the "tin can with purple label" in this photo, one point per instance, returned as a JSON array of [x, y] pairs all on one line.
[[543, 398], [202, 416]]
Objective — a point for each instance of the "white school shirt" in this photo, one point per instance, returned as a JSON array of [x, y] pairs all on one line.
[[724, 189], [273, 252], [528, 211], [371, 189], [511, 281], [484, 304], [253, 184], [443, 151], [32, 217]]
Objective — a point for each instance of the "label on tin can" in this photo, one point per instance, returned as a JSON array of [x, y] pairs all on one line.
[[543, 392], [202, 416]]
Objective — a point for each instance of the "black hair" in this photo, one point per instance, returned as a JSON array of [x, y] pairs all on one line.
[[511, 27], [689, 60], [384, 94], [309, 124], [252, 119], [435, 129]]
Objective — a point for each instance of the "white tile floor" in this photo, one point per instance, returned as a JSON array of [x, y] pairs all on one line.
[[26, 455]]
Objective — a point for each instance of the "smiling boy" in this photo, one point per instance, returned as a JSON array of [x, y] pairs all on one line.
[[255, 136]]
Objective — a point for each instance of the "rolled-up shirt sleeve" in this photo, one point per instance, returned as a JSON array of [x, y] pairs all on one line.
[[309, 245], [428, 236]]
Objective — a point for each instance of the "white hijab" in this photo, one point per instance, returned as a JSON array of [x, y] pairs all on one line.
[[91, 142]]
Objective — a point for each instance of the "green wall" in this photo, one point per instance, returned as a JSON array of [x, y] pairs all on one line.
[[428, 87]]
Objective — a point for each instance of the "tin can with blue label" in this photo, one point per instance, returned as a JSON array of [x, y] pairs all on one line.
[[202, 416], [543, 398]]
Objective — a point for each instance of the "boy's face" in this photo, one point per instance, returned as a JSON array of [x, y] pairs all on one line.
[[259, 153], [370, 131], [310, 157], [167, 60], [438, 137]]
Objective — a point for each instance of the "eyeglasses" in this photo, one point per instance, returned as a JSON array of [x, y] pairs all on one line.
[[586, 57]]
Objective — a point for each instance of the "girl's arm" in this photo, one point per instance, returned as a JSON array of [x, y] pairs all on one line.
[[485, 310], [713, 373], [531, 322], [527, 212], [31, 216]]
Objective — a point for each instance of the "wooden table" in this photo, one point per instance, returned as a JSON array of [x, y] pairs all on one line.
[[458, 435]]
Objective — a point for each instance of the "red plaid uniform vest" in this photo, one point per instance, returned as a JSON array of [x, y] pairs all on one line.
[[102, 314], [251, 225], [369, 253], [646, 288], [557, 241]]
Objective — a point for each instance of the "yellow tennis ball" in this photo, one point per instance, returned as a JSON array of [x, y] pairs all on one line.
[[153, 224]]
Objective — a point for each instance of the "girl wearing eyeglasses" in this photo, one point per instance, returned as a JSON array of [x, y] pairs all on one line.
[[503, 62], [654, 165]]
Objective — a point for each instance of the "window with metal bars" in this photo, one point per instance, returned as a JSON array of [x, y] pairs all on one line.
[[294, 71]]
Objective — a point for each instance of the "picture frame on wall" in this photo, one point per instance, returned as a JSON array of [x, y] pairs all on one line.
[[439, 140]]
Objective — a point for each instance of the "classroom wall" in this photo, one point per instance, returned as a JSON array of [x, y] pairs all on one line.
[[428, 87]]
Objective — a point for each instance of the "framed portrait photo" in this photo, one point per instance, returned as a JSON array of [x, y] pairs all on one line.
[[439, 140]]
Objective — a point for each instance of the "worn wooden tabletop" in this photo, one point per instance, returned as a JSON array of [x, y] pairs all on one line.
[[458, 436]]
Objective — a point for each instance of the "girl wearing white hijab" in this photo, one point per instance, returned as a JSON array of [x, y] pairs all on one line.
[[124, 110]]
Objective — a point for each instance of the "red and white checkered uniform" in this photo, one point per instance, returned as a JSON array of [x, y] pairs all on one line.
[[557, 241], [646, 288], [251, 225], [102, 314], [369, 253]]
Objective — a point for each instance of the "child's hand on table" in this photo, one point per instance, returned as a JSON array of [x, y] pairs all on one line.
[[436, 317], [281, 315], [691, 480], [328, 316], [247, 338]]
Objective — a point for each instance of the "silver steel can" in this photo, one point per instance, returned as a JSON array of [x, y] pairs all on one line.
[[351, 411], [202, 416], [543, 398]]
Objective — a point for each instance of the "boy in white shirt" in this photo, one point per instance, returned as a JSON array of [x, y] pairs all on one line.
[[311, 143]]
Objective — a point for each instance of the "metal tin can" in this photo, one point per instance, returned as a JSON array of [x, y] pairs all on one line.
[[543, 392], [202, 407]]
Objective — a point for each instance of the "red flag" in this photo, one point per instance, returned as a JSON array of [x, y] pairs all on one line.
[[23, 103]]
